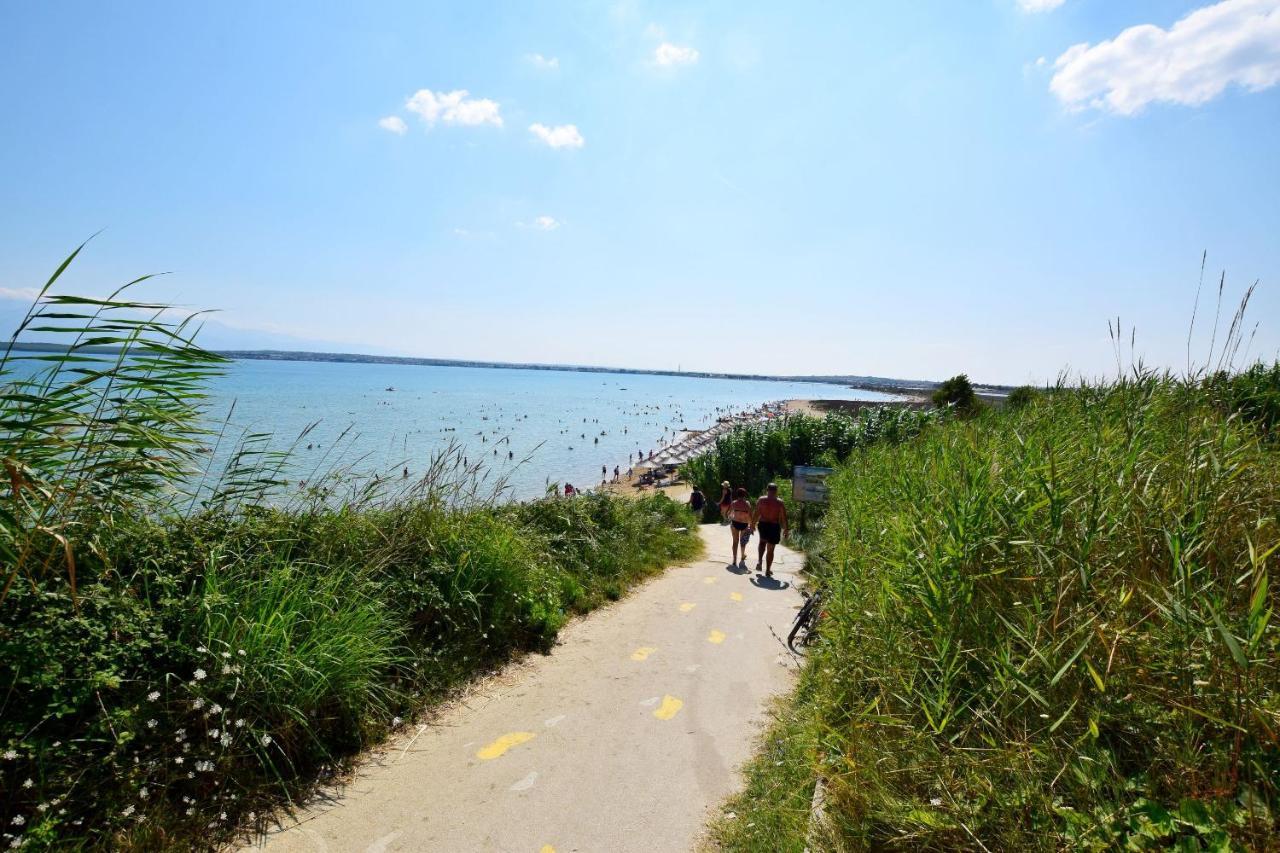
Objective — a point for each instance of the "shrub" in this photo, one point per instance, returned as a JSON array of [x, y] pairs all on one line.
[[1021, 397], [957, 393]]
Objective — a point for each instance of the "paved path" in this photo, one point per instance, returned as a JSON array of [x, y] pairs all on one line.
[[626, 737]]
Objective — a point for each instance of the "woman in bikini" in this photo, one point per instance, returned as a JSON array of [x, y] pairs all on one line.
[[740, 514], [726, 498]]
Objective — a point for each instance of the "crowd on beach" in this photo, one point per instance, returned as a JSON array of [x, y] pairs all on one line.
[[671, 454]]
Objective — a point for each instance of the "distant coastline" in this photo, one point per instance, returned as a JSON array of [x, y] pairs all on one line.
[[861, 383]]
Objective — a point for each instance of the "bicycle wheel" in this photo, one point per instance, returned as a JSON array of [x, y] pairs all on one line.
[[804, 620]]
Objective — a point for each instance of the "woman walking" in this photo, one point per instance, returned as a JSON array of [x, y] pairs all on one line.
[[726, 498], [740, 514]]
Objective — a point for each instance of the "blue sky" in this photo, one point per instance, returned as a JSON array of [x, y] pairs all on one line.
[[898, 189]]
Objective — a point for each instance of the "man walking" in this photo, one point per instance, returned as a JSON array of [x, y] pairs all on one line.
[[771, 524]]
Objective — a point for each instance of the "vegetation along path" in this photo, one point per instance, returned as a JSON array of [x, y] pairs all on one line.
[[624, 738]]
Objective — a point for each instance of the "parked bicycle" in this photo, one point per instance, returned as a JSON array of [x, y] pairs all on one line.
[[805, 628]]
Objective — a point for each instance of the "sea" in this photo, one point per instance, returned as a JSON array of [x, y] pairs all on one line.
[[529, 428]]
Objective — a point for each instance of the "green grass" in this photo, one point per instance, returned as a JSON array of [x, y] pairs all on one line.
[[178, 657], [1050, 628]]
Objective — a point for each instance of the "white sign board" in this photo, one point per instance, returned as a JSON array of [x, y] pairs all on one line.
[[809, 484]]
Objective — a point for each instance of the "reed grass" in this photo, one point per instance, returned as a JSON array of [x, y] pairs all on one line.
[[183, 651], [1050, 627]]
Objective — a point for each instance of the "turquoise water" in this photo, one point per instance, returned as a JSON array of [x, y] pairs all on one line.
[[558, 426]]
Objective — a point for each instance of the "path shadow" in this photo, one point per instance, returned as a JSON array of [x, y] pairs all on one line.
[[769, 583], [737, 569]]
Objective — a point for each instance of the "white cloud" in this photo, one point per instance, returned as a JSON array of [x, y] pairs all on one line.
[[19, 294], [1039, 5], [543, 63], [673, 54], [453, 108], [655, 31], [1191, 63], [560, 136], [395, 124], [546, 223]]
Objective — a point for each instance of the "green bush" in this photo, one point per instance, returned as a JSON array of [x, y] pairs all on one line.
[[752, 455], [956, 393], [1021, 397]]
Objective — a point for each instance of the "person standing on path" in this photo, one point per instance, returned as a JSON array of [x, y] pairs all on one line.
[[740, 515], [770, 520], [696, 503], [726, 498]]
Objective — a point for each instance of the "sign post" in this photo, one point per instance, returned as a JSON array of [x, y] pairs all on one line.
[[809, 484]]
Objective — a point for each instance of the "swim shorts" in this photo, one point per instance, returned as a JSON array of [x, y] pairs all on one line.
[[770, 531], [739, 525]]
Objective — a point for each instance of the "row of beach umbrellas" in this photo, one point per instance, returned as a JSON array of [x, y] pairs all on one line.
[[696, 443]]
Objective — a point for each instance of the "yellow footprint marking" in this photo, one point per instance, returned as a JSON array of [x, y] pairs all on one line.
[[643, 652], [502, 744], [687, 606], [669, 708], [547, 848], [709, 581], [716, 637], [735, 596]]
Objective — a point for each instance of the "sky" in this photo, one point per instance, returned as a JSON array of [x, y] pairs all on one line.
[[896, 189]]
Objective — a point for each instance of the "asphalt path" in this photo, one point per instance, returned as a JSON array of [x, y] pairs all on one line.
[[626, 737]]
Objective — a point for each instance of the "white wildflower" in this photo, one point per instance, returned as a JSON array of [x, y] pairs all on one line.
[[198, 703], [199, 675], [18, 820], [202, 650], [936, 801], [226, 739], [191, 811], [153, 695], [227, 669], [128, 810], [240, 723], [222, 816], [44, 807], [191, 774], [395, 721], [151, 724], [226, 654], [15, 844], [143, 793], [214, 733], [253, 816], [57, 743], [240, 651], [215, 708], [266, 740], [10, 754], [178, 760], [29, 783]]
